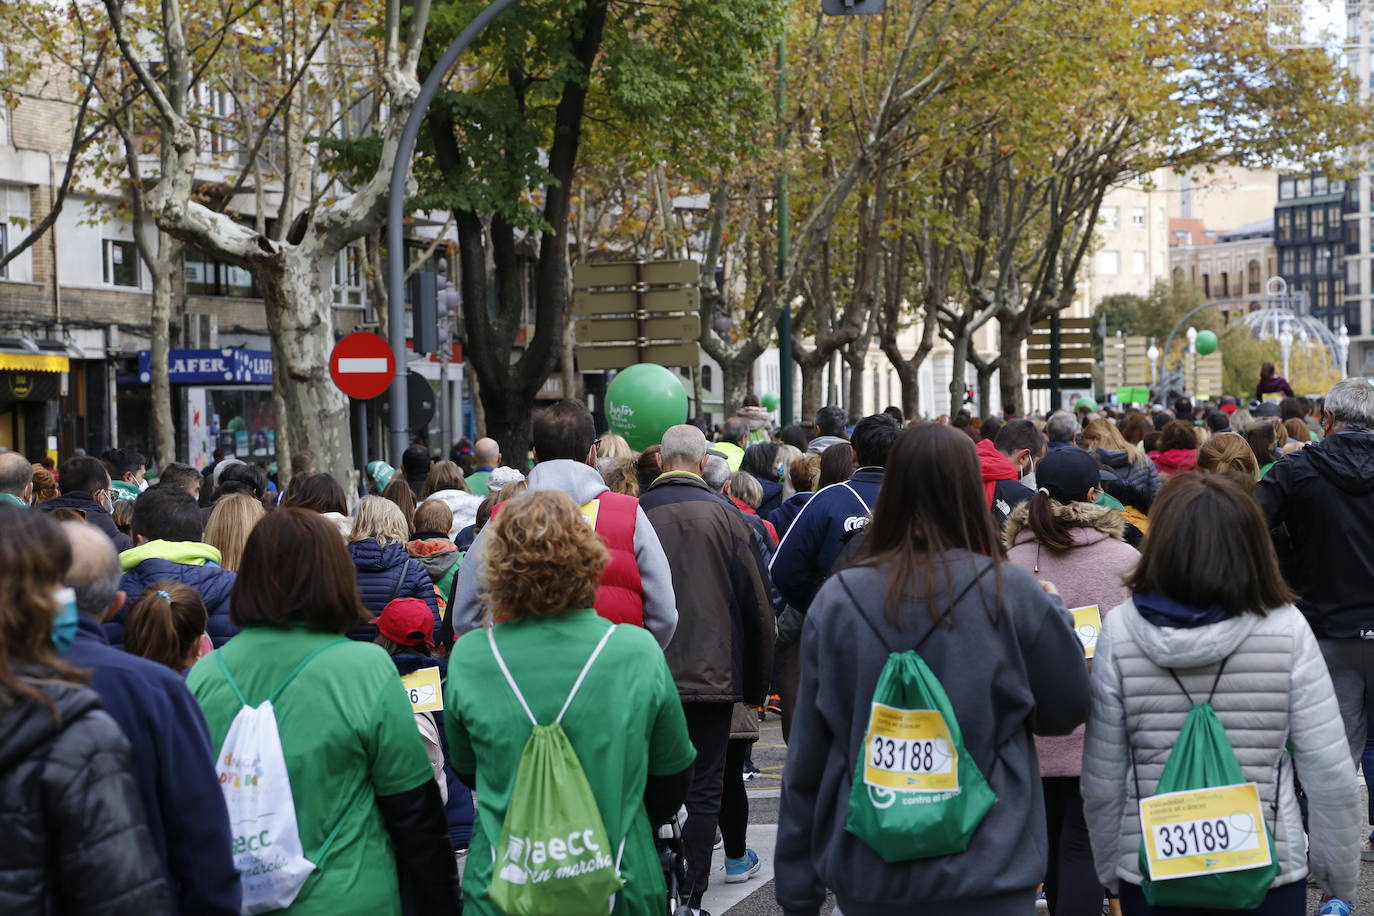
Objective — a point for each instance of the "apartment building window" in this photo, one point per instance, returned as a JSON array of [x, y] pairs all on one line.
[[1333, 221], [120, 262], [1286, 262], [1138, 263], [1304, 261], [708, 378], [1323, 264], [348, 278], [1207, 285], [1323, 298], [1138, 217], [1284, 225], [1318, 222], [1318, 184], [1108, 263], [1303, 187], [1110, 217], [206, 277], [1252, 277], [1285, 188], [1225, 285]]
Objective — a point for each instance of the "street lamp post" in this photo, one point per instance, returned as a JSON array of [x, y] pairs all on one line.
[[1152, 355], [1285, 348], [1190, 362]]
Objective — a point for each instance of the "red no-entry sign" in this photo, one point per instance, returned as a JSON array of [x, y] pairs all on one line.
[[362, 365]]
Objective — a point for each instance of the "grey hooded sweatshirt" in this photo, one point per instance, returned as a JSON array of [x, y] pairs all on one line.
[[583, 484], [1274, 690], [1010, 670]]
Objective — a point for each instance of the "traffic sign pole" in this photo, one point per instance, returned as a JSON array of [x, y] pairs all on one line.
[[395, 219]]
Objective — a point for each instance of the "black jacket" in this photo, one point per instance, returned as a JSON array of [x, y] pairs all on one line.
[[96, 514], [75, 840], [723, 649], [1324, 496]]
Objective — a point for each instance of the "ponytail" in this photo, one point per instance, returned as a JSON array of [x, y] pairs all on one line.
[[165, 624], [1049, 529]]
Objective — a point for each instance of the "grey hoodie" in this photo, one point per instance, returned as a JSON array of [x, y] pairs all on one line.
[[583, 484], [1006, 680], [1275, 689]]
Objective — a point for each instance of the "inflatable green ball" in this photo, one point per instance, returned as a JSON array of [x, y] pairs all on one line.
[[1206, 342], [642, 402], [770, 401]]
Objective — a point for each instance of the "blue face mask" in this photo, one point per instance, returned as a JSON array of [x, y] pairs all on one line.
[[64, 621]]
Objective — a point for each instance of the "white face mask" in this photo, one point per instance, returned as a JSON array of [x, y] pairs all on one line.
[[1029, 469]]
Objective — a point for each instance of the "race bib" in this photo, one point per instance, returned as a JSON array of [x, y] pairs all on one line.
[[590, 510], [909, 750], [1204, 832], [423, 690], [1087, 623]]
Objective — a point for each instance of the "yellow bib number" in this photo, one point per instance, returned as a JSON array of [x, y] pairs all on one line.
[[423, 690], [1204, 832], [1087, 623], [909, 750]]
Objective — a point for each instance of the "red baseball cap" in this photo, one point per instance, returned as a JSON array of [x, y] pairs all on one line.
[[407, 621]]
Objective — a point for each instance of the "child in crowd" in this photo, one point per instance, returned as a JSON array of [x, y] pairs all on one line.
[[167, 625]]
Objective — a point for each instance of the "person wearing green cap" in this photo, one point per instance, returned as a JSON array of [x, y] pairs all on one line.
[[381, 473]]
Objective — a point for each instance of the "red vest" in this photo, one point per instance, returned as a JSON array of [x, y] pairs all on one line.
[[620, 599]]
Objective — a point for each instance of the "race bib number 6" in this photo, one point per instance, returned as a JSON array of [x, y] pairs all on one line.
[[909, 750], [423, 690], [1204, 832]]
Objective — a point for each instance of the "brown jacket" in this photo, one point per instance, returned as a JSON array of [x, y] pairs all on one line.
[[723, 649]]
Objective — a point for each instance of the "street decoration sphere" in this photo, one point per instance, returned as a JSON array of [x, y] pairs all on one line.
[[642, 402], [1206, 342], [770, 400]]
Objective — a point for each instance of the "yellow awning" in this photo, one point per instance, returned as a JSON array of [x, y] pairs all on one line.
[[34, 362]]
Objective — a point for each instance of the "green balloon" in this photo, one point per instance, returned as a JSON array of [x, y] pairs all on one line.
[[1206, 342], [642, 402], [770, 400]]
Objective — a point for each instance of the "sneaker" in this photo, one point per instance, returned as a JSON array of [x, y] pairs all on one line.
[[686, 910], [1334, 907], [743, 868], [774, 705], [1042, 904], [718, 842], [751, 771], [1367, 850]]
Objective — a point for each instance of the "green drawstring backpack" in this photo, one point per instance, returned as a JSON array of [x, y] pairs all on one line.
[[1204, 842], [916, 791], [553, 855]]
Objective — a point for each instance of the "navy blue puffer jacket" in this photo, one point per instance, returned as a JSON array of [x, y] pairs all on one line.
[[385, 574], [212, 583]]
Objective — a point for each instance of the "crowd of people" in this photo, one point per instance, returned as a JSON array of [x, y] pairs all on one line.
[[1105, 658]]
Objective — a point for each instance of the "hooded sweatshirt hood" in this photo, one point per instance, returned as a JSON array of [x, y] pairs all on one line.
[[1175, 460], [369, 556], [995, 466], [1178, 646], [190, 553], [1091, 522], [756, 417], [27, 723], [1345, 460], [580, 481]]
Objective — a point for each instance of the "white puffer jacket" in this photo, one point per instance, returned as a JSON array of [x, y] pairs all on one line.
[[1274, 689]]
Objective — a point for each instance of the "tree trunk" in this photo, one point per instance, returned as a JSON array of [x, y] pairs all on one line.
[[985, 373], [958, 378], [1011, 380], [855, 362], [163, 275], [508, 421], [734, 376], [296, 294], [812, 365], [479, 410], [910, 378]]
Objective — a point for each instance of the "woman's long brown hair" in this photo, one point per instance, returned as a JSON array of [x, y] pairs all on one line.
[[34, 558], [931, 503]]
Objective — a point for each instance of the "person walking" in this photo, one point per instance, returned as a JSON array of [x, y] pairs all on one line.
[[76, 838], [366, 806], [1139, 480], [447, 484], [173, 762], [230, 522], [637, 586], [1324, 496], [723, 653], [16, 479], [486, 457], [385, 570], [167, 528], [547, 656], [85, 487], [825, 524], [1177, 448], [321, 493], [1271, 383], [931, 574], [1236, 643], [1061, 537]]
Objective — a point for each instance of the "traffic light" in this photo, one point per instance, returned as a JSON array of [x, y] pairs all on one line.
[[424, 302], [852, 7]]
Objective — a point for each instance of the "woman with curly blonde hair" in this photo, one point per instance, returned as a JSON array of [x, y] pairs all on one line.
[[546, 657]]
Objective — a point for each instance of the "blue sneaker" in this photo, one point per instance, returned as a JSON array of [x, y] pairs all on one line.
[[1333, 907], [747, 866]]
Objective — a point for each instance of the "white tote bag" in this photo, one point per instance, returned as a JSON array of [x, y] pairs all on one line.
[[262, 813]]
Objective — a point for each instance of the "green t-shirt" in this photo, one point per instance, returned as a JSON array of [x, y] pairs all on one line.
[[348, 735], [477, 482], [625, 724]]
